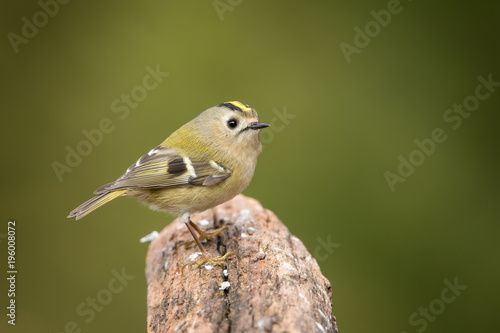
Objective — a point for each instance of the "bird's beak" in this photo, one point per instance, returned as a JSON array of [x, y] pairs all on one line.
[[256, 126]]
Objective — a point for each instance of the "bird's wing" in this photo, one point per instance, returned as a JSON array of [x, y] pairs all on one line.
[[165, 167]]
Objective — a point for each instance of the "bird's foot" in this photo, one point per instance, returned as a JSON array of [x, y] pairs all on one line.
[[203, 236], [214, 261]]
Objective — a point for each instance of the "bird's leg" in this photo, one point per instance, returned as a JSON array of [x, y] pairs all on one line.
[[214, 261], [207, 234], [203, 235]]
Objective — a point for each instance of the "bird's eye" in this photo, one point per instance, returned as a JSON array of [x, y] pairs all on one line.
[[232, 124]]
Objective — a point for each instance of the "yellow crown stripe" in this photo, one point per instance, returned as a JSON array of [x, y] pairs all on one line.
[[240, 106]]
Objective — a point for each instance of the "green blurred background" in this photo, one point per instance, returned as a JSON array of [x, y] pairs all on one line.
[[322, 169]]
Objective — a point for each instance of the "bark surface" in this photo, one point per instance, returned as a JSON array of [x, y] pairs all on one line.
[[271, 284]]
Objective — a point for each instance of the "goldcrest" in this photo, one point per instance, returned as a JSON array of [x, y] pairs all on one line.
[[204, 163]]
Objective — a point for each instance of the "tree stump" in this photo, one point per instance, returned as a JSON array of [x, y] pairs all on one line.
[[271, 284]]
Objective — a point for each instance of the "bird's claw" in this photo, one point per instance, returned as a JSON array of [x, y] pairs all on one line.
[[215, 261], [204, 236]]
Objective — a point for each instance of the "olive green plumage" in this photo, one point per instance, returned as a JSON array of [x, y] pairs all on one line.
[[204, 163]]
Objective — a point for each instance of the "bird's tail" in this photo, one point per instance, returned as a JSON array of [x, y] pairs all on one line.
[[94, 203]]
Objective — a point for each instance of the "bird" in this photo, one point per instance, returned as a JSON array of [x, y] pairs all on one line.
[[204, 163]]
